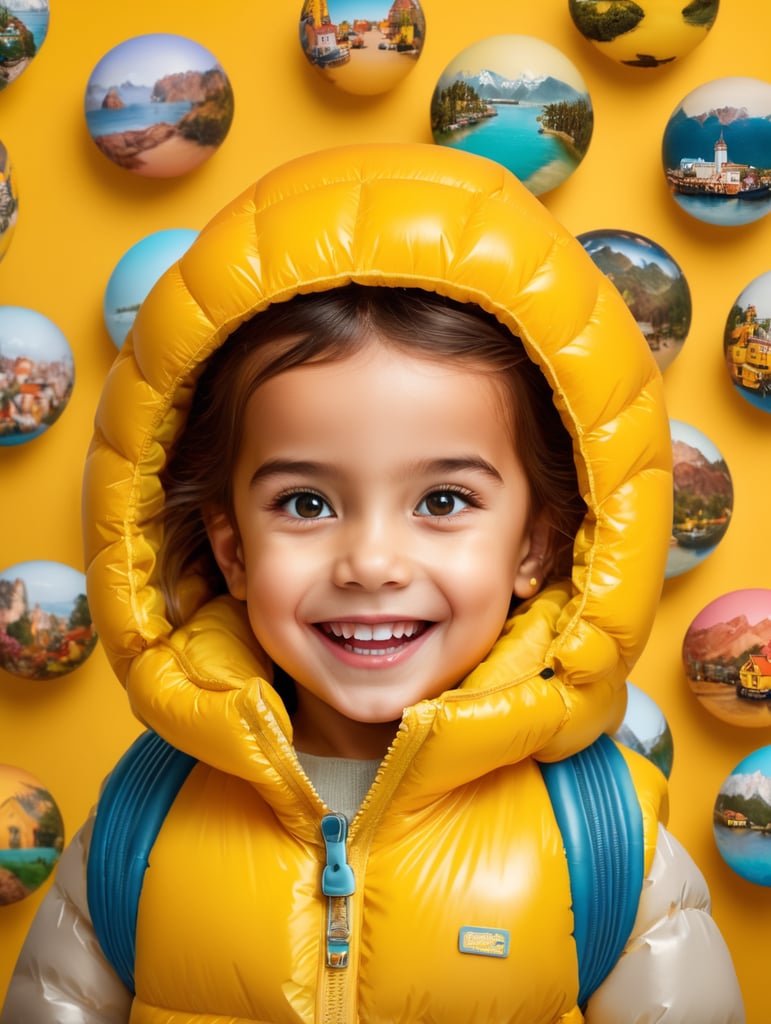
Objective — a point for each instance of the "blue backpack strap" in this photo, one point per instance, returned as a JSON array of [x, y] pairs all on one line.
[[599, 815], [130, 812]]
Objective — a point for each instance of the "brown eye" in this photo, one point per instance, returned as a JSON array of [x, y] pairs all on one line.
[[442, 503], [307, 505]]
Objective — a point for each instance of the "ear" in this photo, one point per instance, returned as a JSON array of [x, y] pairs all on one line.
[[226, 548], [536, 563]]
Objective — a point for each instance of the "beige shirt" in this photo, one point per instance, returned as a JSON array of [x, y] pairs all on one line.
[[340, 782]]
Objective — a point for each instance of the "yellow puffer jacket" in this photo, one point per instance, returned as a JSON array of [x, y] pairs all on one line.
[[457, 829]]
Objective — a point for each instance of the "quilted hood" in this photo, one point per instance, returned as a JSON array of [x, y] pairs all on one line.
[[389, 215]]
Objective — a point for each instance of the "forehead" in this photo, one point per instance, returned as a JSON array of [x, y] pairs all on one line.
[[384, 392]]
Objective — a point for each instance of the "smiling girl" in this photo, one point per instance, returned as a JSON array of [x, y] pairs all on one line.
[[376, 516]]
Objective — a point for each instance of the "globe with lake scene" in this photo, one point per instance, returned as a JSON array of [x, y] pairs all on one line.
[[644, 33], [517, 100], [135, 274], [716, 152], [727, 657], [37, 374], [9, 202], [741, 819], [158, 105], [747, 343], [31, 834], [364, 47], [45, 624], [23, 29], [651, 284], [703, 498]]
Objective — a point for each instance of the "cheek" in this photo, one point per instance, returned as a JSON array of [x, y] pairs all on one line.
[[488, 568], [280, 579]]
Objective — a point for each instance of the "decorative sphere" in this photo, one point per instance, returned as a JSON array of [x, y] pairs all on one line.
[[747, 343], [652, 285], [741, 819], [9, 201], [362, 56], [135, 274], [644, 33], [31, 834], [517, 100], [37, 374], [716, 151], [726, 652], [47, 629], [22, 37], [703, 498], [646, 730], [158, 105]]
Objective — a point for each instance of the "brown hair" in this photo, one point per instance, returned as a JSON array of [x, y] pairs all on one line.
[[325, 327]]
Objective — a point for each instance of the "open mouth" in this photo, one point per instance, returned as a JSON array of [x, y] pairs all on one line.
[[380, 638]]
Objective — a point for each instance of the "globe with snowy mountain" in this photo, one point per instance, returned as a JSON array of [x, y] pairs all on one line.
[[741, 819], [519, 101]]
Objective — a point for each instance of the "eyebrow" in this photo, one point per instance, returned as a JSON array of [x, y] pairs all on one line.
[[440, 466]]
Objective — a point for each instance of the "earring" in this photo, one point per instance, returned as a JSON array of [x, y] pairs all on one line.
[[533, 582]]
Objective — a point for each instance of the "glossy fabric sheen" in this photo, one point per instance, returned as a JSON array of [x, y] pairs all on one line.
[[240, 855]]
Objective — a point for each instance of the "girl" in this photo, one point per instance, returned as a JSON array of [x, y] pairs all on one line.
[[335, 478]]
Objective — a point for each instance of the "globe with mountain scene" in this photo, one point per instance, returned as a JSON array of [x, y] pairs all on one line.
[[646, 730], [727, 657], [644, 33], [716, 151], [517, 100], [703, 498], [741, 819], [652, 285], [158, 105]]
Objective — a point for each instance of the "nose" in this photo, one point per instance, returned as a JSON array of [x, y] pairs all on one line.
[[371, 555]]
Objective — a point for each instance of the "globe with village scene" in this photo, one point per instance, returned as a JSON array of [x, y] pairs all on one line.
[[716, 151], [747, 343], [31, 834], [23, 29], [37, 374], [362, 47], [727, 657], [45, 624]]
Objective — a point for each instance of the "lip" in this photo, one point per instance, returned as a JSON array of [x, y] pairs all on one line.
[[394, 651]]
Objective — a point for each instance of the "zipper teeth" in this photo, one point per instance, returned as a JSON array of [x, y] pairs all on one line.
[[335, 1000]]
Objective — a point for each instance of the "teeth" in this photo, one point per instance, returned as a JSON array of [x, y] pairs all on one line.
[[380, 631]]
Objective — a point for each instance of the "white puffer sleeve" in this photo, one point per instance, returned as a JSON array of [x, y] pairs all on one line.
[[676, 967], [62, 976]]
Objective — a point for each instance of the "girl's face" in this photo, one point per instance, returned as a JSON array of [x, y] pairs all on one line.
[[382, 524]]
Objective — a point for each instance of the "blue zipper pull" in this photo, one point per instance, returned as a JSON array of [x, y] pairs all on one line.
[[337, 883]]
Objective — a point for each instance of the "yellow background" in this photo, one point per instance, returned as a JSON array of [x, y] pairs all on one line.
[[79, 214]]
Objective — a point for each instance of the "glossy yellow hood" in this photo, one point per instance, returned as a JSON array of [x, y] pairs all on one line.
[[394, 215]]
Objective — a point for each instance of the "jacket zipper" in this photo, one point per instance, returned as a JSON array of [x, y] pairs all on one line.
[[338, 885]]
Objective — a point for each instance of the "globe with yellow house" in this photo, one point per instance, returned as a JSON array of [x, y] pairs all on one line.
[[644, 33], [31, 833]]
